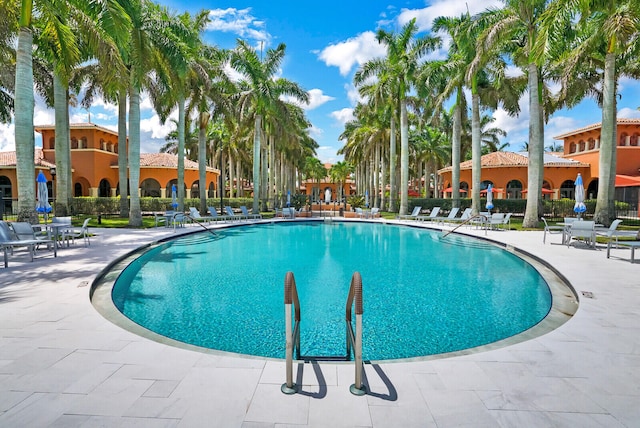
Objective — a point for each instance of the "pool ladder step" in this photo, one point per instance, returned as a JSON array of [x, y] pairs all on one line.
[[292, 333]]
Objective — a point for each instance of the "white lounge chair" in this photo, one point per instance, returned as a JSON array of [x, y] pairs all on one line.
[[359, 212], [375, 213], [433, 215], [415, 213], [582, 230], [197, 217], [83, 232], [495, 221], [552, 230], [466, 215], [213, 213], [249, 215], [611, 233], [451, 216], [234, 216], [9, 240]]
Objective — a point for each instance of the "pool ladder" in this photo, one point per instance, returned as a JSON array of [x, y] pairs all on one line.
[[354, 336]]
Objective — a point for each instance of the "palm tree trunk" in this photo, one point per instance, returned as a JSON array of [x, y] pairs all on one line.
[[455, 151], [383, 174], [25, 143], [63, 167], [536, 151], [122, 153], [476, 152], [256, 163], [202, 161], [404, 157], [135, 214], [605, 210], [392, 165], [181, 129], [231, 177]]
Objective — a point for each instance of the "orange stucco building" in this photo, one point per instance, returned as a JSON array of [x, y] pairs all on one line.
[[507, 171], [94, 164]]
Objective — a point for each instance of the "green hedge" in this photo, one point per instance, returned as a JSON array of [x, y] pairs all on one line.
[[111, 206]]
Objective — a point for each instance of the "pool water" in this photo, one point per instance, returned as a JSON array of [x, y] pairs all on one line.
[[422, 295]]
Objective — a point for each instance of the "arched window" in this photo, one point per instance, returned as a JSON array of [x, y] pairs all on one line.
[[104, 189], [592, 144], [567, 189], [623, 139], [572, 148], [74, 143], [52, 143], [634, 140], [514, 189], [77, 190], [195, 189], [581, 146], [150, 188]]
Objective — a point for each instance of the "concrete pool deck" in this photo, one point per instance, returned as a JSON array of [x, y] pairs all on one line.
[[63, 364]]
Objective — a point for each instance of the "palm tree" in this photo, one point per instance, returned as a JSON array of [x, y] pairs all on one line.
[[261, 94], [606, 38], [8, 30], [339, 172], [453, 71], [314, 169], [404, 53]]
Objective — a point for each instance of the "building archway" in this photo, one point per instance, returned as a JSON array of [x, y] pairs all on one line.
[[104, 188], [7, 195], [567, 189], [592, 189], [195, 189], [150, 188], [514, 189]]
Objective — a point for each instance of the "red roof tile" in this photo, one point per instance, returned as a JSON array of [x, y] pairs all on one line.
[[9, 159]]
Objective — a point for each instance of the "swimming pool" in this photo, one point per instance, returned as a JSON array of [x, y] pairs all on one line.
[[422, 295]]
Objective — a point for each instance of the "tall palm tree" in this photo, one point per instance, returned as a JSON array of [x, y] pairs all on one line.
[[453, 70], [514, 29], [606, 38], [404, 53], [261, 93], [339, 172], [9, 11]]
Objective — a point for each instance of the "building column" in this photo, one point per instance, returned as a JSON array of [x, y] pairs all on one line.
[[627, 140], [93, 192], [597, 143], [114, 192], [188, 194], [163, 192]]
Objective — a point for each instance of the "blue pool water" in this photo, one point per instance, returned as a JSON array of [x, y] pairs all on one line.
[[422, 295]]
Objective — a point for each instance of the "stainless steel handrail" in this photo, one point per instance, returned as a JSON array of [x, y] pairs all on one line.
[[467, 222], [354, 338], [292, 332]]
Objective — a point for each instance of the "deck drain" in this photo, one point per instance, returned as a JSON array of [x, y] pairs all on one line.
[[587, 294], [83, 284]]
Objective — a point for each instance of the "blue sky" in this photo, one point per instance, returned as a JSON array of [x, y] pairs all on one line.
[[326, 42]]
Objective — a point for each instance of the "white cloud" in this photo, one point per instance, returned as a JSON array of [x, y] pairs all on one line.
[[240, 22], [629, 113], [343, 116], [353, 94], [7, 137], [157, 129], [315, 132], [424, 17], [316, 99], [353, 52]]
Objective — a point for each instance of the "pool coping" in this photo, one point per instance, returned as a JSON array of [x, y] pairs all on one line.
[[564, 298]]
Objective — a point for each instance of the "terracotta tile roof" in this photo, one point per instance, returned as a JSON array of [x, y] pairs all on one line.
[[513, 159], [621, 121], [166, 160], [9, 159], [80, 125]]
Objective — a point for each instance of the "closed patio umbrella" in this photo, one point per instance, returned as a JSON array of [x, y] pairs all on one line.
[[366, 198], [42, 205], [489, 198], [288, 198], [174, 197], [579, 206]]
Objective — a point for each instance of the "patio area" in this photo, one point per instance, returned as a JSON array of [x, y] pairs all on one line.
[[63, 365]]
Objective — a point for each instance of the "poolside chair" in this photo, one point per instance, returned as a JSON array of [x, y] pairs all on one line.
[[359, 212], [196, 217], [415, 213], [213, 213], [432, 215], [178, 220], [582, 230], [506, 223], [164, 218], [552, 230], [234, 216], [9, 241], [83, 232], [610, 233], [451, 216], [375, 213], [495, 221], [466, 215], [246, 213]]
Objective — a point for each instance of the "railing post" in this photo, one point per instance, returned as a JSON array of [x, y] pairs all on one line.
[[356, 284], [289, 288]]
